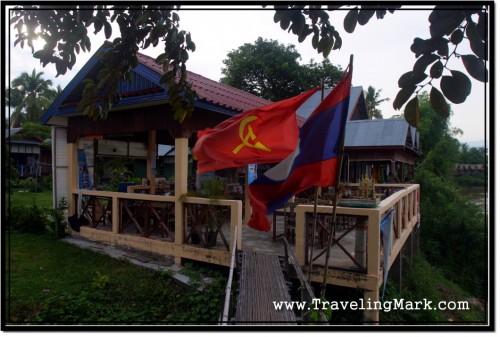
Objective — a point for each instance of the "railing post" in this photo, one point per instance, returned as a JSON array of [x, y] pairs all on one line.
[[373, 245], [373, 263], [300, 235], [181, 188], [360, 241], [236, 224], [72, 150], [115, 215]]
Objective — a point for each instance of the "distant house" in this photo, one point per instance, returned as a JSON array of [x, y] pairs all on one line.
[[468, 170], [383, 148], [31, 157]]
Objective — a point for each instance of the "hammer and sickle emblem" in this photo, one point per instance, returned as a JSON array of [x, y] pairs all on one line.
[[245, 123]]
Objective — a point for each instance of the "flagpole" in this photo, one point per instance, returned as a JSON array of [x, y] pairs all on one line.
[[335, 194], [315, 212]]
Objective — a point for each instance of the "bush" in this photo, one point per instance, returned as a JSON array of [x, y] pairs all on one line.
[[453, 233], [46, 182], [31, 185], [58, 224], [28, 219]]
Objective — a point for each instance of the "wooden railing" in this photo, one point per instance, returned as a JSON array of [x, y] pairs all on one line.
[[152, 223], [365, 222]]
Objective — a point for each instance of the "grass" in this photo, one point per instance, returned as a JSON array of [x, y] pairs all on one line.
[[423, 281], [53, 282], [42, 199]]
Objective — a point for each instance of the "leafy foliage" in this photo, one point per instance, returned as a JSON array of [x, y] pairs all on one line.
[[448, 28], [474, 155], [33, 130], [28, 219], [450, 25], [65, 32], [449, 221], [373, 100], [272, 71], [30, 96]]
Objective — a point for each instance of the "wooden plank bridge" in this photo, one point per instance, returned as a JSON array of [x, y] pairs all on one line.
[[262, 282]]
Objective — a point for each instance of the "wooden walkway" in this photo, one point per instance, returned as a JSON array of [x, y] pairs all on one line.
[[261, 282]]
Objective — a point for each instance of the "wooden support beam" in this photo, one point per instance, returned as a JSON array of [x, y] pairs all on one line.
[[181, 188], [72, 149], [151, 161]]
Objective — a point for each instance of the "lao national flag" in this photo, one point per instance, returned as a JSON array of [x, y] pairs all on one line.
[[314, 161], [263, 135]]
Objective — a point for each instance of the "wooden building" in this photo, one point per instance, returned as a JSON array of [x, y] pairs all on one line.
[[31, 156], [140, 121], [384, 149]]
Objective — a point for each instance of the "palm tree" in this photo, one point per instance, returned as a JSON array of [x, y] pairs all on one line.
[[372, 100], [30, 96]]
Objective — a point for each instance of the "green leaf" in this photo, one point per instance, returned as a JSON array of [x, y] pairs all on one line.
[[350, 20], [456, 87], [423, 62], [328, 47], [298, 23], [439, 104], [315, 40], [443, 50], [436, 70], [476, 43], [161, 58], [365, 15], [285, 20], [403, 96], [412, 112], [411, 78], [98, 26], [107, 30], [481, 25], [445, 25], [277, 16], [475, 67], [457, 36]]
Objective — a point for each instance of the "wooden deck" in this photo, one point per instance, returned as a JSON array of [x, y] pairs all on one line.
[[164, 225], [261, 283]]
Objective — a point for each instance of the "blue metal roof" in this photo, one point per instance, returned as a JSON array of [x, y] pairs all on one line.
[[377, 132]]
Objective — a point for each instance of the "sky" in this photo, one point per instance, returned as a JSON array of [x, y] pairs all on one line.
[[381, 51]]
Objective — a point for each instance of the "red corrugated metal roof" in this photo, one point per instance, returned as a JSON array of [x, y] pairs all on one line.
[[212, 91]]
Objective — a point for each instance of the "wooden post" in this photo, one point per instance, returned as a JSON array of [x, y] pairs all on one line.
[[360, 242], [248, 208], [371, 295], [300, 235], [181, 188], [396, 271], [115, 220], [72, 150], [373, 246], [151, 161]]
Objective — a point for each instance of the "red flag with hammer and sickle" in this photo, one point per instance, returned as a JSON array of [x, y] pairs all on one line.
[[263, 135]]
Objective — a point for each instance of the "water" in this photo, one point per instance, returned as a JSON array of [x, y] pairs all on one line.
[[478, 195]]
